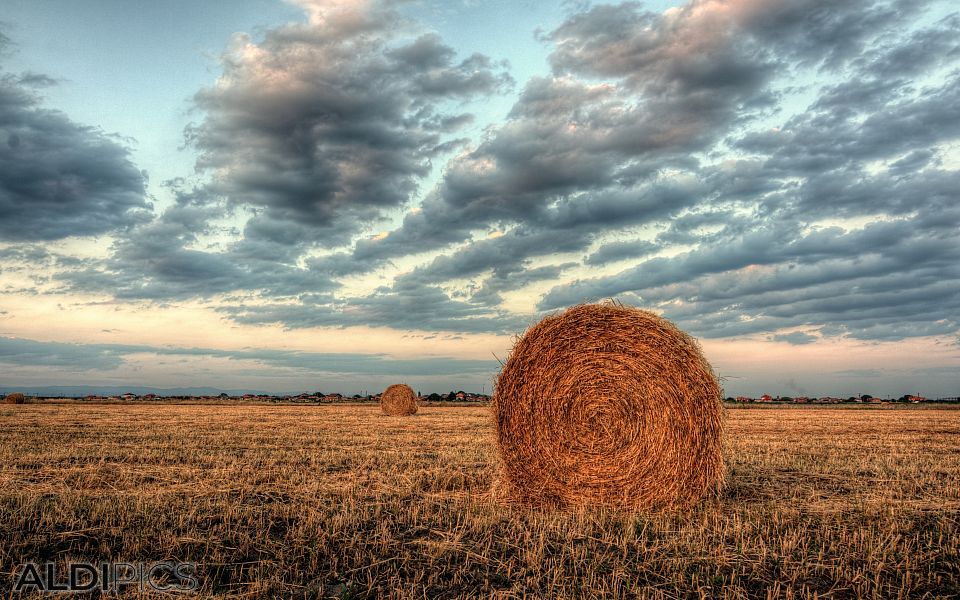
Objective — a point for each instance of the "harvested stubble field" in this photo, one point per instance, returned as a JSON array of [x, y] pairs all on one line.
[[342, 501]]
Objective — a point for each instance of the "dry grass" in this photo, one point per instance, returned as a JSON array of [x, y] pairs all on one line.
[[308, 501], [608, 404], [399, 400]]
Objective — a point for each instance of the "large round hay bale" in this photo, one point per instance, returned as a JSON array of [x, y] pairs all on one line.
[[15, 398], [399, 399], [608, 404]]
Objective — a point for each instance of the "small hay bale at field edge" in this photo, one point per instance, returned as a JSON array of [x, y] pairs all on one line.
[[608, 404], [15, 398], [399, 399]]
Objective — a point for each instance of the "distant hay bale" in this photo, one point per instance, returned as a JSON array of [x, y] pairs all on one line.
[[608, 404], [15, 398], [399, 399]]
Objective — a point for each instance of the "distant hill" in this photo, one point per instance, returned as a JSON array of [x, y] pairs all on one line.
[[78, 391]]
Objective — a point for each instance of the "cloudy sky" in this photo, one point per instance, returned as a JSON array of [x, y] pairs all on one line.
[[337, 195]]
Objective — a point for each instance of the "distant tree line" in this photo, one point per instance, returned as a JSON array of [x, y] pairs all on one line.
[[451, 397]]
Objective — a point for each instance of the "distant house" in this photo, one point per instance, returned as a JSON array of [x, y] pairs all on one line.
[[128, 396], [333, 398], [461, 396], [801, 400], [765, 398], [916, 399], [744, 399]]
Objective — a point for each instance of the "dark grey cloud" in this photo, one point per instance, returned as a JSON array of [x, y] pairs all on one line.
[[616, 251], [324, 125], [31, 253], [565, 142], [823, 34], [569, 225], [798, 338], [403, 306], [675, 141], [633, 93], [627, 132], [504, 255], [893, 243], [700, 47], [416, 299], [839, 136], [160, 261], [19, 352], [916, 52], [431, 67], [869, 147], [308, 135], [490, 289], [881, 282], [913, 161], [59, 178]]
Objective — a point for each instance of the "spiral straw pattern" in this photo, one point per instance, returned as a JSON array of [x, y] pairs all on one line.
[[608, 404], [399, 399]]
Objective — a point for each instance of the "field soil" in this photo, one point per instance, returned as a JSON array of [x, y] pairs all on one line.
[[342, 501]]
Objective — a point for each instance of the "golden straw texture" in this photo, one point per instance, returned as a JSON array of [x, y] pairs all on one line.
[[399, 399], [608, 404], [15, 398]]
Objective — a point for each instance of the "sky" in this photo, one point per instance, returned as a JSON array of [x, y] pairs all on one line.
[[338, 195]]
